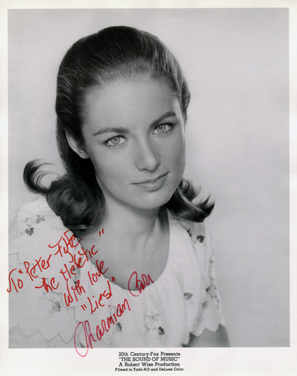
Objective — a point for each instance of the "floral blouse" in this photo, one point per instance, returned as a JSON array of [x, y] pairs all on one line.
[[62, 299]]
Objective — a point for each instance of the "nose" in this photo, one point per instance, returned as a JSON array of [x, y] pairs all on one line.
[[147, 157]]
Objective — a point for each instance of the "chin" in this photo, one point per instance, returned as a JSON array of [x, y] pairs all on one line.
[[156, 201]]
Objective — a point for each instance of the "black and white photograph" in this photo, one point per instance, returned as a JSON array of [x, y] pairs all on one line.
[[148, 185]]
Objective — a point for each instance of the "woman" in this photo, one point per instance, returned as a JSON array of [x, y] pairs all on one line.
[[139, 272]]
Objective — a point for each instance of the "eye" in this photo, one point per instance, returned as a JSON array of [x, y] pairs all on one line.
[[163, 128], [115, 141]]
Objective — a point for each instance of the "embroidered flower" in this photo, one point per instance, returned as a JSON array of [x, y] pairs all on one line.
[[119, 327], [200, 238], [30, 222], [188, 296], [40, 218], [161, 331], [56, 306], [151, 321], [189, 232], [76, 276], [29, 231]]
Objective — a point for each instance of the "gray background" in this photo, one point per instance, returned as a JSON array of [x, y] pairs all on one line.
[[236, 64]]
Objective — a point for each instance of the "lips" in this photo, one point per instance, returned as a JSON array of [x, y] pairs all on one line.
[[151, 180], [153, 184]]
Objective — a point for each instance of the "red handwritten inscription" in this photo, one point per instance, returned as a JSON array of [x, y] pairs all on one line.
[[105, 326], [65, 246], [68, 243], [88, 254], [40, 263], [73, 290], [94, 277], [137, 284], [105, 294], [48, 287], [11, 281], [67, 272]]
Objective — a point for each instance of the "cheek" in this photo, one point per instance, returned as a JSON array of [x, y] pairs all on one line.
[[179, 164], [110, 174], [176, 156], [106, 168]]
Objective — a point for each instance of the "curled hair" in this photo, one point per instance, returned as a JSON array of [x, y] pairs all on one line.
[[107, 56]]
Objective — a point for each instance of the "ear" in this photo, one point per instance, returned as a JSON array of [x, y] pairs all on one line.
[[77, 147]]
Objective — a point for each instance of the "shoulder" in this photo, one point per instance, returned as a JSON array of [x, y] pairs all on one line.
[[202, 261], [32, 218], [197, 231], [36, 286], [34, 228]]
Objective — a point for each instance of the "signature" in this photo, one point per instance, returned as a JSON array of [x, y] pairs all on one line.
[[101, 328], [139, 284]]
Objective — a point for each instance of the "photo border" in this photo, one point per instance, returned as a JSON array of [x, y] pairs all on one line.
[[215, 361]]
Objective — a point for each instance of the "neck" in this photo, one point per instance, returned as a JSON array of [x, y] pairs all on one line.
[[132, 226], [130, 222]]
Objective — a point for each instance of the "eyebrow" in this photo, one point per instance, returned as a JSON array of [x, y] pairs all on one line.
[[126, 131]]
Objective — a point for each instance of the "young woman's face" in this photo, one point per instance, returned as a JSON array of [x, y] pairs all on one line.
[[134, 135]]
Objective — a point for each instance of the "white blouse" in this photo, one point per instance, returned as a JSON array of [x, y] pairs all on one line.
[[59, 298]]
